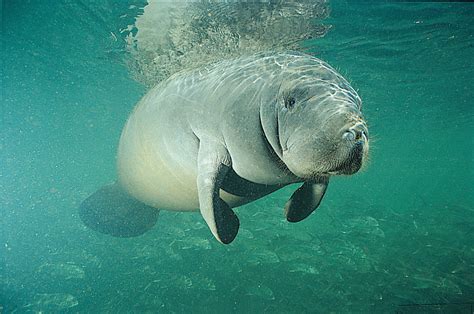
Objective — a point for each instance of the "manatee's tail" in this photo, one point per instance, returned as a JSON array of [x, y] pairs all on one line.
[[112, 211]]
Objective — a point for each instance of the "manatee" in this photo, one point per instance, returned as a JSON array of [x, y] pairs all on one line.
[[226, 134]]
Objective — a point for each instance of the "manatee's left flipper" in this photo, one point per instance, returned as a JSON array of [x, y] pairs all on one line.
[[213, 164], [306, 199]]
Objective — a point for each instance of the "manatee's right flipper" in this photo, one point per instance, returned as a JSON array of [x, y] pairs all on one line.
[[306, 199], [213, 164], [112, 211]]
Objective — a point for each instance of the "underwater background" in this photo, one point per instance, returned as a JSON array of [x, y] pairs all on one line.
[[396, 237]]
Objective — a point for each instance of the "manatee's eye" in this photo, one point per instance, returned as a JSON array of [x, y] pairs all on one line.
[[290, 102]]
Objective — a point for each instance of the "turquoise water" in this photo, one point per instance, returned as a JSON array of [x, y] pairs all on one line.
[[397, 234]]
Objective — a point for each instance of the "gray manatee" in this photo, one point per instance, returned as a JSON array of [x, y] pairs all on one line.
[[227, 134]]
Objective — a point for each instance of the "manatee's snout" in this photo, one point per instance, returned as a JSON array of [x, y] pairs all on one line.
[[355, 159], [356, 133], [357, 140]]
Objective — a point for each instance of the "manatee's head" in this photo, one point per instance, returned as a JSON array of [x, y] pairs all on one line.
[[318, 128]]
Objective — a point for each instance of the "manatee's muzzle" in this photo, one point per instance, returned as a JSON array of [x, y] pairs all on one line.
[[353, 162], [357, 132], [356, 139]]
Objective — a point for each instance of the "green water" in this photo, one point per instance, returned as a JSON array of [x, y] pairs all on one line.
[[399, 233]]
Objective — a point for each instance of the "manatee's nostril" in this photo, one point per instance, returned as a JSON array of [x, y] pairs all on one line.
[[349, 135], [361, 131], [354, 134]]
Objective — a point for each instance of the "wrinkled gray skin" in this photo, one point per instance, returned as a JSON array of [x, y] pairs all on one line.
[[230, 133]]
